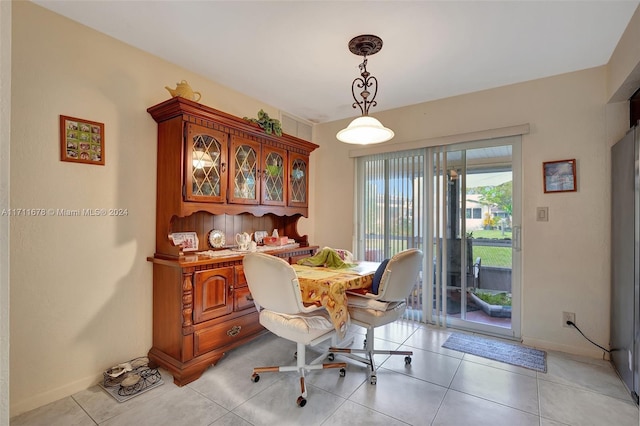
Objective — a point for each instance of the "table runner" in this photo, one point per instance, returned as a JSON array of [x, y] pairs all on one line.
[[327, 287]]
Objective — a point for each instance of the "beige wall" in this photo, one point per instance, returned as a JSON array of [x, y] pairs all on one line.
[[81, 286], [566, 260], [5, 134]]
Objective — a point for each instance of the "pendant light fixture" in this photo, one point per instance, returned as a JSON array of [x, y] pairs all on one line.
[[365, 129]]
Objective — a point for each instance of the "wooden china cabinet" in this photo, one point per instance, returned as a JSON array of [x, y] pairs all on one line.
[[217, 173]]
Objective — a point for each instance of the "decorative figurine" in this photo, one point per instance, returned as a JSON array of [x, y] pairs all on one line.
[[184, 91]]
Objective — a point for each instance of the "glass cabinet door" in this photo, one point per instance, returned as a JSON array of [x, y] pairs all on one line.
[[245, 182], [298, 179], [205, 164], [274, 170]]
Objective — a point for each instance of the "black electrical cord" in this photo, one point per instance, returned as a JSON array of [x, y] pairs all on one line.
[[576, 327]]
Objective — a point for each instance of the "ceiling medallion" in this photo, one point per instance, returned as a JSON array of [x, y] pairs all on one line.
[[365, 45]]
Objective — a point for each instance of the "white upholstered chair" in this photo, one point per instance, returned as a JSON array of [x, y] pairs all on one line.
[[275, 289], [375, 310]]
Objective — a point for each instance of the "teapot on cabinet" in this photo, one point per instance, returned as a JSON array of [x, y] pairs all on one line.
[[243, 240], [184, 90]]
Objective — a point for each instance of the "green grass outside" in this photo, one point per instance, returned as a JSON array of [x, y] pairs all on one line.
[[499, 257], [502, 299], [493, 256]]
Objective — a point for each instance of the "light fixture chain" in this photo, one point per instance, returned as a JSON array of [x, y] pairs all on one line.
[[365, 81], [365, 130]]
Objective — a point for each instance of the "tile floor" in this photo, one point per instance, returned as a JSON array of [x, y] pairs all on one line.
[[440, 387]]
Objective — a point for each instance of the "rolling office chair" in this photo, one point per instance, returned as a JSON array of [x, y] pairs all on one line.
[[275, 289], [398, 279]]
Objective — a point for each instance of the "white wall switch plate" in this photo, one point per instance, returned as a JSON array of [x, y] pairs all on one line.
[[542, 214]]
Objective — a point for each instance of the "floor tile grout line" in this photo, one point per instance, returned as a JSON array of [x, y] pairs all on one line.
[[324, 422], [83, 409], [453, 376], [592, 391], [209, 399], [539, 400], [441, 403], [373, 409], [496, 402]]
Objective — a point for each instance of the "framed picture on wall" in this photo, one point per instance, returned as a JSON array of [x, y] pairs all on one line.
[[81, 141], [559, 176]]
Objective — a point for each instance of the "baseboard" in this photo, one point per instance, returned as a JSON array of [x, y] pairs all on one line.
[[44, 398], [593, 352]]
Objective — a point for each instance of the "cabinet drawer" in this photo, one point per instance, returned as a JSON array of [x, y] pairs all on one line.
[[226, 333], [242, 299]]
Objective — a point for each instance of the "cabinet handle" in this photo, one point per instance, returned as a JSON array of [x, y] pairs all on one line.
[[233, 331], [223, 167]]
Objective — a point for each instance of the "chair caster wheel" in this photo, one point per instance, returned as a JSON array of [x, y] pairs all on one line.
[[331, 357], [407, 360], [255, 377], [373, 379], [301, 401], [343, 372]]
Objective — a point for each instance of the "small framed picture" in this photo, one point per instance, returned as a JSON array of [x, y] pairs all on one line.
[[559, 176], [187, 241], [81, 141]]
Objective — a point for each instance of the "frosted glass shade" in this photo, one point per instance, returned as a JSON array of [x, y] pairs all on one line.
[[365, 130]]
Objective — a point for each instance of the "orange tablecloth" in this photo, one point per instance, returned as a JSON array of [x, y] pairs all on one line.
[[327, 287]]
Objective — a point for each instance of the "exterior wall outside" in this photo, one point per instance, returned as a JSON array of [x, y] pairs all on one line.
[[474, 223], [495, 279]]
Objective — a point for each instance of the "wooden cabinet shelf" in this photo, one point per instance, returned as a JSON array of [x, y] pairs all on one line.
[[212, 162], [216, 171]]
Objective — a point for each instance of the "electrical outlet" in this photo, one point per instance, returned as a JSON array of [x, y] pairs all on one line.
[[568, 316]]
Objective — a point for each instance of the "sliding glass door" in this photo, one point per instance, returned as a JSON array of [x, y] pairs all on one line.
[[475, 225], [459, 204]]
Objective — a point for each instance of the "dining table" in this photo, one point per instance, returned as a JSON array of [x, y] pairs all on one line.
[[327, 287]]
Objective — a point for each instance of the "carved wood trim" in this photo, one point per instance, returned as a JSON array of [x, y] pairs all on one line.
[[187, 300], [207, 116]]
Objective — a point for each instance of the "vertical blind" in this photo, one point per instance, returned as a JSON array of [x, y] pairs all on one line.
[[391, 203], [391, 206]]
